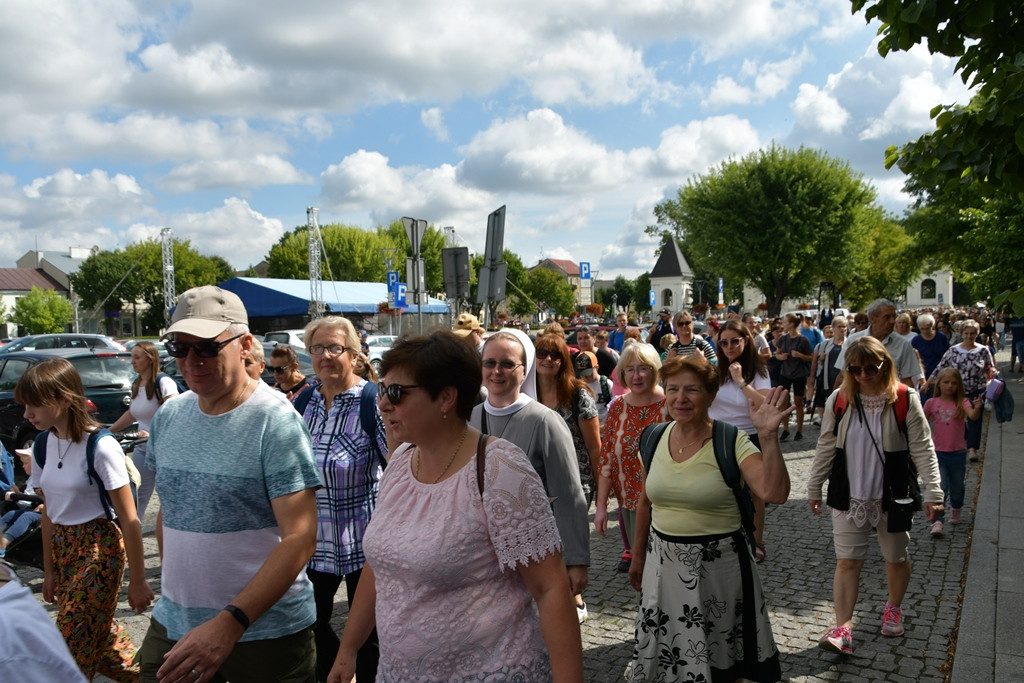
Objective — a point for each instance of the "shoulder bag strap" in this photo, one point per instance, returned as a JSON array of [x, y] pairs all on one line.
[[481, 455]]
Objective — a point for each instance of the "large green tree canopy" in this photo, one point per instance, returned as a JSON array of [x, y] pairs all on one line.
[[113, 280], [968, 174], [353, 254], [778, 218]]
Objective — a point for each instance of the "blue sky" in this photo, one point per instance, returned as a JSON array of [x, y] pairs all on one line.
[[225, 119]]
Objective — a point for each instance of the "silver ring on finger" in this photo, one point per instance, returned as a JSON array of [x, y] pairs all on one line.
[[196, 674]]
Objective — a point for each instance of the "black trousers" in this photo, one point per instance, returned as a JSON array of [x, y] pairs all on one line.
[[325, 586]]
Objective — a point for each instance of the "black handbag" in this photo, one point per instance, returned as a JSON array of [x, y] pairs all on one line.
[[898, 505]]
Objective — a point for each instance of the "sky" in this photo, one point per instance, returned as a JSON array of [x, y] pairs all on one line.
[[225, 119]]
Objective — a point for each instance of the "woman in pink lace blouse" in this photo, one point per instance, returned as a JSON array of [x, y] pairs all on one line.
[[464, 578]]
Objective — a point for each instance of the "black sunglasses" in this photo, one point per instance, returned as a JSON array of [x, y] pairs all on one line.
[[203, 349], [393, 392], [278, 368], [866, 370], [545, 353]]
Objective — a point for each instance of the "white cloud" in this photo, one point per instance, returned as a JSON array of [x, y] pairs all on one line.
[[767, 81], [433, 120], [259, 171], [233, 230], [686, 150], [632, 251], [818, 109]]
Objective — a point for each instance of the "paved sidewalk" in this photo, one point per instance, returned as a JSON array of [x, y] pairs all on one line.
[[798, 581]]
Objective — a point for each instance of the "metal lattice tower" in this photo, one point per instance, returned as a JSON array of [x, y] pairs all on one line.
[[316, 296], [167, 249]]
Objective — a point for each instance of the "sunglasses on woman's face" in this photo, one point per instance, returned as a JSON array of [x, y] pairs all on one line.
[[545, 353], [727, 343], [866, 370], [393, 392]]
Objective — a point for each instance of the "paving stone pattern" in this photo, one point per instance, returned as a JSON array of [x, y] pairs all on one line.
[[798, 581]]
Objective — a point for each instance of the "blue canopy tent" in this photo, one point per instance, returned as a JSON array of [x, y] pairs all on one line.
[[275, 298]]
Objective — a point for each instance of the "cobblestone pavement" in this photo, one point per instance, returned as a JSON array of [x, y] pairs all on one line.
[[798, 582]]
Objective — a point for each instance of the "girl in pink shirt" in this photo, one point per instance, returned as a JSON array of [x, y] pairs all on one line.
[[948, 412]]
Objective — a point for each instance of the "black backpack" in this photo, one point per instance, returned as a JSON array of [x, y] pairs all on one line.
[[367, 412], [134, 478], [723, 436]]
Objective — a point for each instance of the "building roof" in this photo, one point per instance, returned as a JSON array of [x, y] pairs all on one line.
[[671, 262], [23, 279], [274, 297], [61, 260], [565, 265]]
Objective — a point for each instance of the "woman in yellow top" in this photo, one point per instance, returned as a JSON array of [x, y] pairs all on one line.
[[702, 613]]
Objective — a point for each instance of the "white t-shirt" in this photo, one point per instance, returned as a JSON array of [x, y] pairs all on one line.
[[70, 498], [143, 409], [731, 405]]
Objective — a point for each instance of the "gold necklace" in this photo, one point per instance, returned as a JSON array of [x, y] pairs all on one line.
[[419, 455], [700, 439]]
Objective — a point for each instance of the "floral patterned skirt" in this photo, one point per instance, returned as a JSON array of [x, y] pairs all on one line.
[[702, 615]]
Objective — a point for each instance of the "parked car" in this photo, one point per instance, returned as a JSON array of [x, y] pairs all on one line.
[[291, 337], [129, 344], [169, 365], [378, 344], [72, 340], [107, 376]]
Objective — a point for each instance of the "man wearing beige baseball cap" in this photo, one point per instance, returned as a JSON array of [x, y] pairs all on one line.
[[237, 480], [468, 325]]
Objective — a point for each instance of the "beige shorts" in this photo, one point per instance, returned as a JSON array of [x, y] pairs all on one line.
[[851, 540]]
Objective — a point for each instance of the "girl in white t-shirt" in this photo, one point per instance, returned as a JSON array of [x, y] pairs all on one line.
[[742, 382], [83, 550], [148, 394]]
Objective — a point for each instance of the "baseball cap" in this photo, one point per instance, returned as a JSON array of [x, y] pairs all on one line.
[[665, 311], [207, 311], [585, 360], [466, 323]]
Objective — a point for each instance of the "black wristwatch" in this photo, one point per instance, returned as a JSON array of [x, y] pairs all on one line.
[[239, 615]]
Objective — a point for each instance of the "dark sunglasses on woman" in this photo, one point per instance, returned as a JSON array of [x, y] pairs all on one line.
[[394, 392], [866, 370], [544, 353]]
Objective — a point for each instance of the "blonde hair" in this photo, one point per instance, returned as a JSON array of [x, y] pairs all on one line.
[[960, 395], [333, 322], [866, 350], [638, 352], [153, 355]]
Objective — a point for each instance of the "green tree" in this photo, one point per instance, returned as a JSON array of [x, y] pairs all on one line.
[[544, 284], [972, 165], [619, 294], [116, 280], [883, 261], [981, 141], [515, 283], [778, 218], [641, 293], [42, 311]]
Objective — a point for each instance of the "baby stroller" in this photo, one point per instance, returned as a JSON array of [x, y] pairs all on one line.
[[19, 521]]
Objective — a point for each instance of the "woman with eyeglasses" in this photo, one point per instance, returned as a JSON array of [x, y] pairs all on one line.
[[628, 415], [743, 384], [511, 412], [571, 398], [464, 577], [350, 462], [977, 367], [869, 449]]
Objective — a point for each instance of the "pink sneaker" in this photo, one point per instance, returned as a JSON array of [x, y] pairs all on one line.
[[937, 528], [954, 516], [892, 620], [838, 640]]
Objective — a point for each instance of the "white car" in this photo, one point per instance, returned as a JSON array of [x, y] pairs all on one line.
[[378, 344], [290, 337]]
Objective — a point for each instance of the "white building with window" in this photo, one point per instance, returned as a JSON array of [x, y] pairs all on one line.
[[932, 290]]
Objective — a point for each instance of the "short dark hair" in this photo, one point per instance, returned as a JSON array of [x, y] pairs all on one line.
[[705, 372], [438, 360]]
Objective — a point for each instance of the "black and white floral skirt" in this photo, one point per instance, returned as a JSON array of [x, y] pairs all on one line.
[[701, 599]]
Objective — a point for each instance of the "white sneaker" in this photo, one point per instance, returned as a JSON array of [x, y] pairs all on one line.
[[581, 612], [937, 528], [816, 420]]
